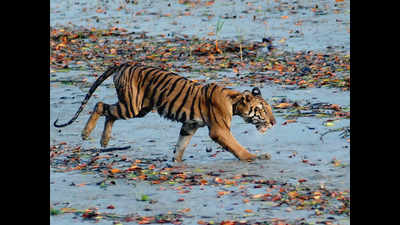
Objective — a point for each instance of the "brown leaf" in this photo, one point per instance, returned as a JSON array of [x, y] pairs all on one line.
[[283, 105], [289, 121]]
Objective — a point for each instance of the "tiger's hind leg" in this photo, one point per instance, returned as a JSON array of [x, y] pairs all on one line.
[[91, 123], [111, 112], [105, 137], [185, 135]]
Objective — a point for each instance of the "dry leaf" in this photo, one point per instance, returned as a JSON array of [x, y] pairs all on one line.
[[289, 121], [282, 105]]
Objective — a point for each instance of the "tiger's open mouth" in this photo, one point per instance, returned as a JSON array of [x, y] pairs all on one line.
[[263, 127]]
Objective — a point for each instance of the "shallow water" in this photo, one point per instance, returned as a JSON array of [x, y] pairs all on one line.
[[310, 24], [154, 137]]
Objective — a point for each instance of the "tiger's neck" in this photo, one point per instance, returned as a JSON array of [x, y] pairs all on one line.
[[235, 97]]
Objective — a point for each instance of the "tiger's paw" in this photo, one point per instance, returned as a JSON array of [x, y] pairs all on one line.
[[265, 156], [177, 160], [84, 136]]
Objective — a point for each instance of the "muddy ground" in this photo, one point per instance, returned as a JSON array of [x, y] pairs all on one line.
[[304, 75]]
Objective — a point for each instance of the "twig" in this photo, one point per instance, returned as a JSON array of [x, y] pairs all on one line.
[[109, 149], [345, 133]]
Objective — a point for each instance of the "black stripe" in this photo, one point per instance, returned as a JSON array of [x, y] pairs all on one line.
[[120, 88], [206, 90], [154, 76], [251, 110], [166, 83], [171, 105], [213, 114], [140, 84], [130, 90], [183, 118], [106, 110], [128, 114], [125, 111], [160, 109], [139, 76], [119, 111], [199, 105], [155, 89], [226, 125], [206, 96], [160, 97], [163, 92], [209, 104], [194, 85], [192, 106], [212, 92], [146, 75], [183, 132], [174, 85], [183, 103]]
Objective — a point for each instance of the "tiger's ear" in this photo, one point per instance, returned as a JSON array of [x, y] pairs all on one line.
[[236, 97], [256, 91]]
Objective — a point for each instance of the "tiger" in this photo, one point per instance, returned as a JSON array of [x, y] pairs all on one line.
[[141, 89]]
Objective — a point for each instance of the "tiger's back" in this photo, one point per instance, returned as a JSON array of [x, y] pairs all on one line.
[[142, 89]]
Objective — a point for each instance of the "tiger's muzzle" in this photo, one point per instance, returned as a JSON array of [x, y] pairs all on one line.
[[261, 126]]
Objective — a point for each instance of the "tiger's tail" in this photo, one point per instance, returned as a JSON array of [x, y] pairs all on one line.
[[97, 83]]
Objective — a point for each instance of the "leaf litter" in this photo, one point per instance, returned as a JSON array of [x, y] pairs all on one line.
[[93, 50], [249, 188]]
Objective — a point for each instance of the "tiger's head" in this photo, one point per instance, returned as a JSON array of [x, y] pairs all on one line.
[[255, 110]]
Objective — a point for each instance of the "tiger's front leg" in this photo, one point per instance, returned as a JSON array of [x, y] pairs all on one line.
[[185, 135], [225, 138]]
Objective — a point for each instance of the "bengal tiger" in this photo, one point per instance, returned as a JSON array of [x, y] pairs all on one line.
[[141, 89]]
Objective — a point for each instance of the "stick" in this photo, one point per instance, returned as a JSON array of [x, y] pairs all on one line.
[[345, 132], [109, 149]]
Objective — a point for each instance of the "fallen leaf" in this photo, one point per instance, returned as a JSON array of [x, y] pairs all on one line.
[[228, 222], [329, 124], [115, 170], [282, 105], [184, 210], [293, 194], [257, 196], [146, 220], [203, 182], [288, 121], [276, 197], [68, 210], [335, 107], [221, 193], [218, 180], [302, 180]]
